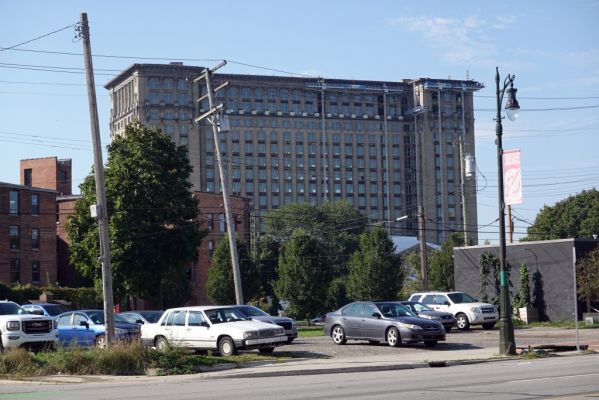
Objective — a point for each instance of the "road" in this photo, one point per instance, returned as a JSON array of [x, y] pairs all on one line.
[[563, 377]]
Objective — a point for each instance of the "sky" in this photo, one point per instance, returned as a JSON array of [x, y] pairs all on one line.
[[551, 47]]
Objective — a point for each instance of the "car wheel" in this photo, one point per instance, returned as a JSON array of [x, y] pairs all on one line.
[[430, 343], [393, 337], [101, 341], [462, 322], [489, 325], [226, 347], [338, 335], [161, 343], [266, 350]]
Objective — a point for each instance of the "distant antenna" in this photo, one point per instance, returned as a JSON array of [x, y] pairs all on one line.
[[467, 75]]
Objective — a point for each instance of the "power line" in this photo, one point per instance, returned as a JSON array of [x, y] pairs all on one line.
[[36, 38]]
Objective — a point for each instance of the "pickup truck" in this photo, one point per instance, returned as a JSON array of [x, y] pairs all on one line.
[[18, 328]]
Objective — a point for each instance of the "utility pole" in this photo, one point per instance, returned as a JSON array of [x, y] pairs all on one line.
[[423, 260], [101, 210], [324, 155], [218, 124], [461, 140]]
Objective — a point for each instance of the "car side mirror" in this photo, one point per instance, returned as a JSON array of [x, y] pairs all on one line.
[[446, 303], [139, 321], [84, 323], [376, 315], [205, 324]]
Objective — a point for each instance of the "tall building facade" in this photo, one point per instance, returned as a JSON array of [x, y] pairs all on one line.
[[386, 147]]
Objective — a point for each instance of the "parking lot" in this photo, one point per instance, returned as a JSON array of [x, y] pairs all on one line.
[[323, 346]]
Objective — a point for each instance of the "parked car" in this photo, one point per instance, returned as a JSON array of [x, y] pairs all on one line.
[[141, 317], [258, 314], [47, 309], [385, 321], [18, 328], [446, 318], [466, 309], [86, 328], [317, 320], [222, 328]]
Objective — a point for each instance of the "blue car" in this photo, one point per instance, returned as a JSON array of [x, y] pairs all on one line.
[[46, 309], [86, 328]]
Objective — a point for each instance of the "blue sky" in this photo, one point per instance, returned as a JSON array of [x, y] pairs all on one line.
[[551, 47]]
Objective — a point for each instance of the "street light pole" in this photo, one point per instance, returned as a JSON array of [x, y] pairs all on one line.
[[507, 343]]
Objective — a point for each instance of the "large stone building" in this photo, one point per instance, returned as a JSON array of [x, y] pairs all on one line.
[[387, 147]]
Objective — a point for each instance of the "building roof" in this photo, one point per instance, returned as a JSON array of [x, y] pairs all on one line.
[[24, 187], [405, 243]]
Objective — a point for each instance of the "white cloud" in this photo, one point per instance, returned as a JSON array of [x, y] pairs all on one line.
[[504, 21]]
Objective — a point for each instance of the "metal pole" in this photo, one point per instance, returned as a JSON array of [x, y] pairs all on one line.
[[423, 260], [226, 202], [100, 190], [507, 343], [462, 173]]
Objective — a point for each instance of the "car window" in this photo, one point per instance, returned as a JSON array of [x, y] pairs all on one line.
[[428, 299], [54, 309], [179, 318], [195, 318], [168, 321], [65, 320], [441, 299], [410, 306], [417, 307], [10, 308], [391, 310], [220, 315], [253, 312], [128, 317], [78, 318], [152, 316], [369, 309], [354, 310], [462, 298], [97, 316]]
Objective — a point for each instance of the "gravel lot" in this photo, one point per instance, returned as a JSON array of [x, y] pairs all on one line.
[[323, 346]]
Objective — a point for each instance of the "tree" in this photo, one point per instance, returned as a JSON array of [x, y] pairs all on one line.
[[587, 277], [440, 264], [522, 299], [488, 262], [303, 276], [152, 219], [576, 216], [374, 269], [221, 285], [411, 275]]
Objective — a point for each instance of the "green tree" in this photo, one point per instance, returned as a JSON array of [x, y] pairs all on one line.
[[152, 219], [488, 263], [374, 269], [522, 299], [412, 277], [221, 284], [303, 276], [576, 216], [587, 277], [440, 264]]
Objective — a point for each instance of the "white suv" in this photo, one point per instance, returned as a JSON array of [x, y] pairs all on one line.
[[18, 328], [465, 308]]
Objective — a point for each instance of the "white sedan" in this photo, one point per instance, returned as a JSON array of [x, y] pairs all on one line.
[[221, 328]]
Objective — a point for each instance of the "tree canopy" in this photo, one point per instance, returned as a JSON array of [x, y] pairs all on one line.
[[575, 217], [441, 266], [374, 269], [152, 219]]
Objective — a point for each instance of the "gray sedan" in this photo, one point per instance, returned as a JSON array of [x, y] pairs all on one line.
[[381, 322], [446, 318]]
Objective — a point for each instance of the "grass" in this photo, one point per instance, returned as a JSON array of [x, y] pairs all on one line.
[[310, 331], [119, 359]]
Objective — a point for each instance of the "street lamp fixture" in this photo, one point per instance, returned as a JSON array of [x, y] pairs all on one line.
[[507, 343]]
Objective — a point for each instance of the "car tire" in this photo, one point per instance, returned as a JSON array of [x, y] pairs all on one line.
[[489, 325], [430, 343], [462, 322], [393, 337], [338, 335], [100, 341], [161, 343], [266, 350], [226, 347]]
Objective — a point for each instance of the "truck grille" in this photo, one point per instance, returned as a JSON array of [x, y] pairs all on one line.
[[488, 310], [37, 326], [266, 333], [430, 327]]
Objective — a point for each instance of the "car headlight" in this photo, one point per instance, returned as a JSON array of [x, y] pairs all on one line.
[[475, 310], [430, 317], [13, 325], [250, 335], [412, 326]]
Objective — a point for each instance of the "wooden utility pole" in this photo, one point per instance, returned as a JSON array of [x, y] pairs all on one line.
[[423, 260], [101, 211]]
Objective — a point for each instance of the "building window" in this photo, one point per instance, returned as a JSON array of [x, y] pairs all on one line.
[[14, 237], [35, 204], [221, 223], [15, 270], [35, 272], [210, 248], [27, 177], [35, 238], [13, 202]]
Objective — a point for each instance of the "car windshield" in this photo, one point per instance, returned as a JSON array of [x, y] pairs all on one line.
[[97, 317], [461, 298], [54, 309], [9, 308], [220, 315], [391, 310], [416, 307], [151, 316], [253, 311]]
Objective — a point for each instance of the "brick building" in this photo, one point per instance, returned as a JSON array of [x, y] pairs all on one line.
[[49, 173], [27, 234]]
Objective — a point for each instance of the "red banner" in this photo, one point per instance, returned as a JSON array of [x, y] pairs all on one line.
[[512, 177]]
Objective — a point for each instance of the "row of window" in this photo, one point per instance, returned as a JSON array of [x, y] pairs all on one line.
[[14, 237], [155, 98], [14, 203], [168, 83], [313, 123], [15, 271]]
